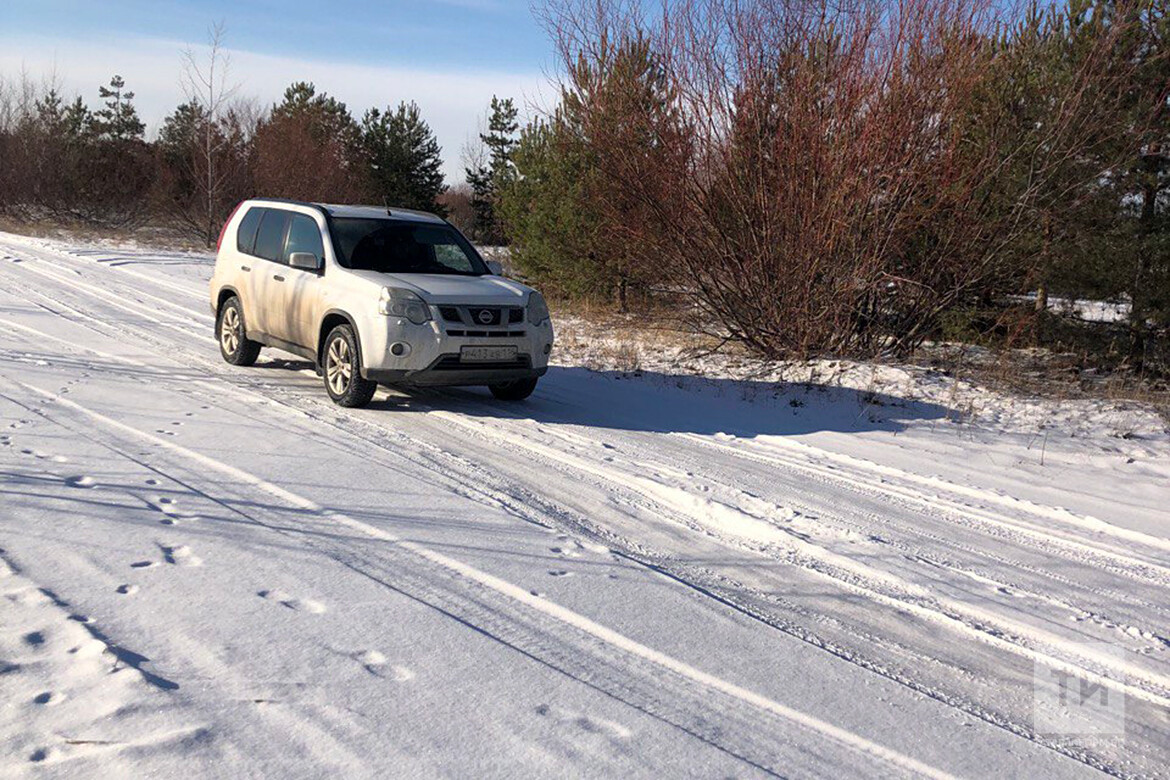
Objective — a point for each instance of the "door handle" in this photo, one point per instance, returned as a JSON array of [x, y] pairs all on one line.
[[245, 268], [278, 277]]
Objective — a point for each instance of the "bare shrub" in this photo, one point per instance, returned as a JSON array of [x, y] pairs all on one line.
[[829, 177]]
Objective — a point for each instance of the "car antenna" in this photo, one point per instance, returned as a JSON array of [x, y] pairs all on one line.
[[386, 203]]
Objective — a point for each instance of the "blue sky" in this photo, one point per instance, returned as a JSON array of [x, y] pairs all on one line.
[[494, 34], [448, 55]]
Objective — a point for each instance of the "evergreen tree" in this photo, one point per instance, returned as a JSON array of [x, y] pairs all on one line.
[[551, 223], [569, 229], [118, 121], [405, 167], [319, 134], [487, 180]]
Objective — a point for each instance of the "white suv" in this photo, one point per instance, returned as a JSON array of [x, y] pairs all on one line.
[[371, 296]]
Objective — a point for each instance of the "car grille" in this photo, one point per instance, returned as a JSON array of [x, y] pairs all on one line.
[[491, 334], [482, 316]]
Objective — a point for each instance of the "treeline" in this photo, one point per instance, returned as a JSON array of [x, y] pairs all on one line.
[[804, 177], [63, 160], [856, 177]]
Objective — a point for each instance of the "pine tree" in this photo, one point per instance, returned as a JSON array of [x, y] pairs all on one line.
[[405, 167], [118, 121], [487, 180], [319, 134], [551, 223]]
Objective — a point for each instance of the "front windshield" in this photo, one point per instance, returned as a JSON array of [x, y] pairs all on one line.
[[396, 247]]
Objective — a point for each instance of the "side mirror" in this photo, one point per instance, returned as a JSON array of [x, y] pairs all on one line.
[[495, 267], [306, 261]]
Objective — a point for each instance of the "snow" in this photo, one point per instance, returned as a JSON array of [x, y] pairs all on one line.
[[1087, 310], [702, 567]]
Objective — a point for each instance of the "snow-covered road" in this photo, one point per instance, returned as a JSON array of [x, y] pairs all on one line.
[[214, 570]]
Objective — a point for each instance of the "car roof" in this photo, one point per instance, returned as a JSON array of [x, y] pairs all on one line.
[[362, 212]]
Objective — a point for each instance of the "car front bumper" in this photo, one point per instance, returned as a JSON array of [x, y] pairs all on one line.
[[447, 372], [433, 358]]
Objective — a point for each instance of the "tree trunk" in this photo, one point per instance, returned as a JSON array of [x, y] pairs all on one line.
[[1137, 312], [1045, 263], [1042, 298]]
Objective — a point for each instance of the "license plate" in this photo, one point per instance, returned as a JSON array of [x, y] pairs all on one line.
[[487, 354]]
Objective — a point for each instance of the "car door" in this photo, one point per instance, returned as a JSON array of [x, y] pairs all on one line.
[[298, 295], [244, 275], [267, 276]]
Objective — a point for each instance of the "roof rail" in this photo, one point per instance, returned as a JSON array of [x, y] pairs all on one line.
[[290, 202]]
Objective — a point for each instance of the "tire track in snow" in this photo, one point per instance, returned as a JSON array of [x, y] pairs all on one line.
[[889, 525], [615, 643], [1128, 562], [1125, 564], [879, 586], [302, 400], [692, 579]]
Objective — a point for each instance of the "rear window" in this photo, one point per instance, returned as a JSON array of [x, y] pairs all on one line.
[[270, 237], [246, 234]]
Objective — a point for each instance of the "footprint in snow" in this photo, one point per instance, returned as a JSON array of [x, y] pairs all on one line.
[[81, 481], [180, 555], [171, 514], [298, 604], [49, 698], [151, 482], [586, 723], [560, 573], [127, 590], [144, 564], [375, 663], [43, 754]]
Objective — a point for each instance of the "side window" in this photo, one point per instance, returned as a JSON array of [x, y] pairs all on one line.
[[246, 233], [270, 237], [303, 236]]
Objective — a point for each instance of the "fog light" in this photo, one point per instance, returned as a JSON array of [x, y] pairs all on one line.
[[547, 348], [399, 349]]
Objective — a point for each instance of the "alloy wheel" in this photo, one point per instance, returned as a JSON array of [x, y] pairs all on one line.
[[338, 366], [229, 330]]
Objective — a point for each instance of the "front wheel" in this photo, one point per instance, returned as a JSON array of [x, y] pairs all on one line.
[[516, 390], [342, 369]]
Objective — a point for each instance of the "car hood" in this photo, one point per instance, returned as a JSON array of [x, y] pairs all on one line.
[[453, 288]]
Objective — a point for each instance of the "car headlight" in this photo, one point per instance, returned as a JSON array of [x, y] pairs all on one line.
[[395, 302], [537, 309]]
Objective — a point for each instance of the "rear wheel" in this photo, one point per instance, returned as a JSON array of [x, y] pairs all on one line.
[[516, 390], [234, 344], [342, 369]]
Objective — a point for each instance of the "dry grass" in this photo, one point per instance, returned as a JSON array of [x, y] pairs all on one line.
[[159, 235], [1042, 373]]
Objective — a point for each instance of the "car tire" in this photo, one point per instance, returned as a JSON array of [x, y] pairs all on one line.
[[342, 370], [230, 332], [516, 390]]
